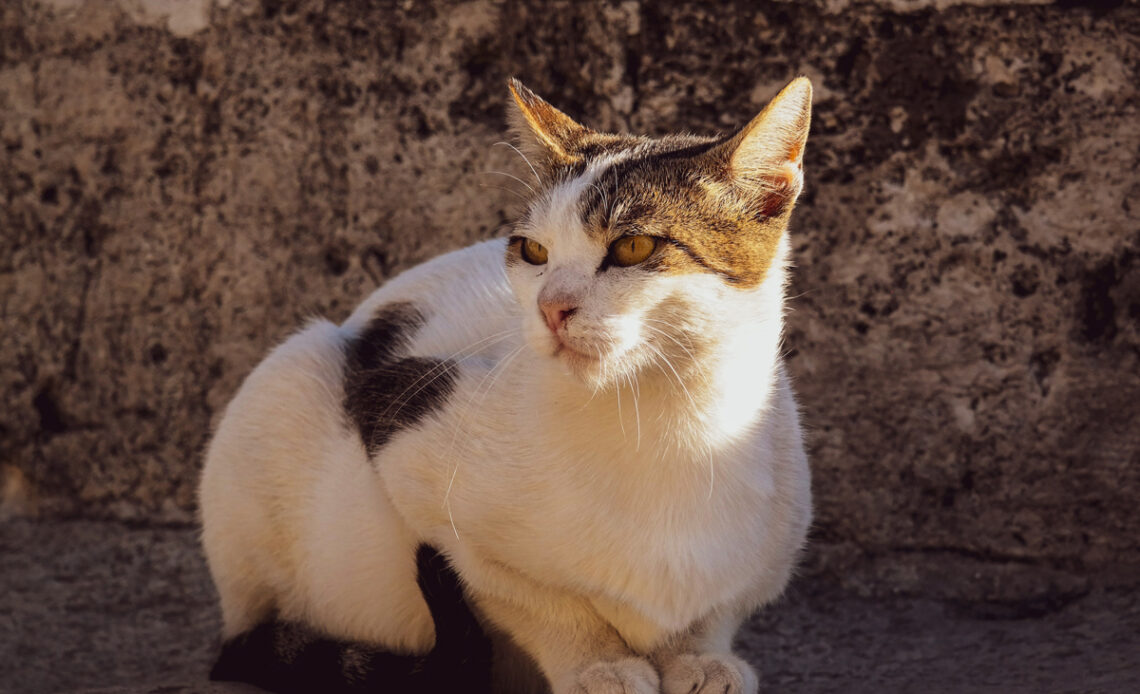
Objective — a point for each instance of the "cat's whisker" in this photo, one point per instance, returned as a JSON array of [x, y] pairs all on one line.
[[509, 190], [699, 364], [693, 359], [621, 417], [439, 370], [459, 425], [447, 364], [708, 453], [470, 401], [455, 470], [634, 391], [501, 367], [524, 158], [680, 382], [515, 178], [451, 520]]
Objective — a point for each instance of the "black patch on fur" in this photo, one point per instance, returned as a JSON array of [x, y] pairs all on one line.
[[386, 391], [292, 658]]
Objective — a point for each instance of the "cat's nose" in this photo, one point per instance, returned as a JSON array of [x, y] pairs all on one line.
[[556, 313]]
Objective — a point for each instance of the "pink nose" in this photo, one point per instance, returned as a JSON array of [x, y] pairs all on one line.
[[556, 313]]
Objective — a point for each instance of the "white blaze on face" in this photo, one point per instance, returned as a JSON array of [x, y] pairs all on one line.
[[598, 325]]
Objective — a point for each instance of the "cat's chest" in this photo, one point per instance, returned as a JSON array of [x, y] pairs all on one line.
[[653, 557], [654, 537]]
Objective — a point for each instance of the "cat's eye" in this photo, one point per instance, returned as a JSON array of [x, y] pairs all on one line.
[[631, 250], [533, 252]]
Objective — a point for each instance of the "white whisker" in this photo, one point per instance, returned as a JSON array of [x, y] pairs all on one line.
[[446, 365], [519, 152], [501, 368], [509, 190], [634, 389], [692, 357], [459, 425], [680, 381], [621, 417], [451, 519], [514, 177], [708, 454]]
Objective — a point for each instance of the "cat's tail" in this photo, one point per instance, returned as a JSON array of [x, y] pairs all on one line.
[[292, 658]]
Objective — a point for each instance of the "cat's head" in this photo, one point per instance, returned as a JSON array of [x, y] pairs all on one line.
[[637, 252]]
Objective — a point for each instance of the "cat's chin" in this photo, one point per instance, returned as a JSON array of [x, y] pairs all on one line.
[[573, 356], [578, 364], [594, 372], [595, 368]]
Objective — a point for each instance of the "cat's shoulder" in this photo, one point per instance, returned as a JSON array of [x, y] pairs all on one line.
[[449, 279]]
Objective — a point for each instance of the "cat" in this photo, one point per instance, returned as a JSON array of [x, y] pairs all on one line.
[[591, 421]]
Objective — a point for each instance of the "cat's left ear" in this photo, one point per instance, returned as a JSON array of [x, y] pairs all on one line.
[[764, 160], [544, 133]]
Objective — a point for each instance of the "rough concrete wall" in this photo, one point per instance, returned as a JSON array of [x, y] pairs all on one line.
[[181, 190]]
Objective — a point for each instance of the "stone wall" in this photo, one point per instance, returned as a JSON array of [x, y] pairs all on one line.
[[183, 184]]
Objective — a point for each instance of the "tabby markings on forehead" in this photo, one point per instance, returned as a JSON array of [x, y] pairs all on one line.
[[674, 189], [617, 182]]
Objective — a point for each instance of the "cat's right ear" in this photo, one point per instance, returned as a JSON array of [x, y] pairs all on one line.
[[544, 133], [764, 160]]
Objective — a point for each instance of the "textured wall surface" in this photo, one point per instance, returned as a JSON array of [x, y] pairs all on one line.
[[178, 191]]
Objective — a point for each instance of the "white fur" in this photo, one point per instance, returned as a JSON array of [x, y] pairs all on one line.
[[618, 517]]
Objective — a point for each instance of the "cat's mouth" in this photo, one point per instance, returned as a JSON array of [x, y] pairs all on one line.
[[564, 350]]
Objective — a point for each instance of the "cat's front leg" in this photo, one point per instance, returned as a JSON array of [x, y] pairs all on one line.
[[702, 661], [577, 651]]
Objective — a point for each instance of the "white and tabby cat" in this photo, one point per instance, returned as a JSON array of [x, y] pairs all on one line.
[[591, 420]]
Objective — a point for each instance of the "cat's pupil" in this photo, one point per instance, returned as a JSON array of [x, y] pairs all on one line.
[[534, 252], [631, 250]]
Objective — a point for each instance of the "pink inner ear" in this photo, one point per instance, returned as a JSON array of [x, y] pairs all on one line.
[[778, 190]]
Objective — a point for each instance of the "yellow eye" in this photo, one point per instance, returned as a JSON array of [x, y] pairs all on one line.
[[631, 250], [533, 252]]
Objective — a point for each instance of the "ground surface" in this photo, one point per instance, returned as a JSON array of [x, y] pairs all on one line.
[[90, 606]]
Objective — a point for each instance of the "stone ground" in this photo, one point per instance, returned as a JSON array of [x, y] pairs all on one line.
[[106, 607]]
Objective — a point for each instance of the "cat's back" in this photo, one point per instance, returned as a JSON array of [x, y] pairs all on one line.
[[453, 306], [297, 437], [307, 393]]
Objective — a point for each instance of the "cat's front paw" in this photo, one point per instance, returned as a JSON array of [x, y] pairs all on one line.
[[625, 676], [709, 673]]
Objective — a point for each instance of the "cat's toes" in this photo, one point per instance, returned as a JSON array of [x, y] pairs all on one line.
[[711, 673], [625, 676]]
